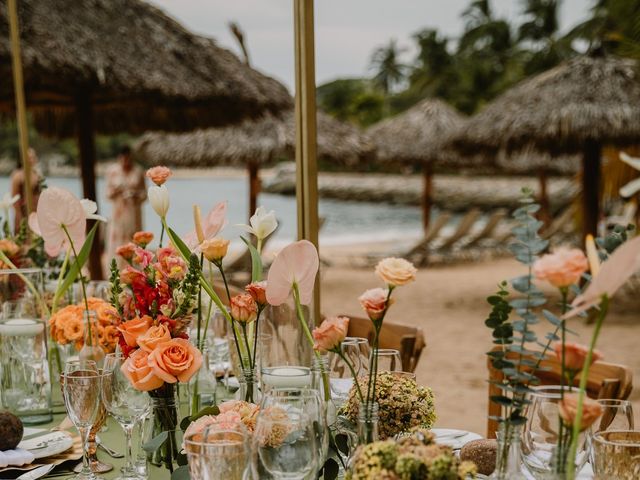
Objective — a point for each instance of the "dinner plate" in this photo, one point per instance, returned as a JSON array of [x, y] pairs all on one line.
[[48, 444], [453, 438]]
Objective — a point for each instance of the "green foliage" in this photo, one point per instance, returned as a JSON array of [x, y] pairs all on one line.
[[352, 99], [614, 239], [256, 261], [116, 286], [75, 267]]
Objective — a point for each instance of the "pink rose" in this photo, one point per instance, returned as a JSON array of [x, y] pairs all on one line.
[[126, 251], [568, 407], [396, 271], [155, 335], [158, 175], [244, 308], [562, 268], [136, 368], [575, 355], [374, 302], [142, 239], [258, 290], [132, 329], [175, 360], [330, 334]]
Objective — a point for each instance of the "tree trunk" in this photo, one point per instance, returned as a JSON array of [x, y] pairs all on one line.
[[254, 188], [86, 147], [591, 187], [427, 176]]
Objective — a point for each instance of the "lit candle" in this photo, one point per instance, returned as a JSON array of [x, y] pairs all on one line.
[[22, 327], [286, 377]]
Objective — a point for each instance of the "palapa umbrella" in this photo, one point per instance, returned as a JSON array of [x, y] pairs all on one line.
[[253, 144], [576, 107], [416, 137], [124, 66]]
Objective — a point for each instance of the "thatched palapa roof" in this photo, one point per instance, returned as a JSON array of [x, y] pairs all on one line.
[[142, 69], [416, 136], [588, 98], [261, 142]]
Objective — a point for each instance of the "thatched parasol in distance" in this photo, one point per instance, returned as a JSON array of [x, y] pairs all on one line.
[[124, 66], [415, 137], [576, 107], [253, 144]]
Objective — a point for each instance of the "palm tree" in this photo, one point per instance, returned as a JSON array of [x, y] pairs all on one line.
[[386, 64]]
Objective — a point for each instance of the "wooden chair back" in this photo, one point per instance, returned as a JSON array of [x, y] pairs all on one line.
[[408, 340], [606, 380]]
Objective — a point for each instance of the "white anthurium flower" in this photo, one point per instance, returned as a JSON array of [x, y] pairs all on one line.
[[6, 203], [262, 223], [90, 208], [633, 186], [159, 199]]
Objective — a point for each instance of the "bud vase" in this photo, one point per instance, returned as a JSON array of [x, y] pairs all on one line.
[[91, 349], [202, 386], [164, 410], [508, 454], [249, 390], [367, 423]]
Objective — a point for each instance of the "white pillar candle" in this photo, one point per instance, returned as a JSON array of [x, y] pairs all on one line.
[[286, 377]]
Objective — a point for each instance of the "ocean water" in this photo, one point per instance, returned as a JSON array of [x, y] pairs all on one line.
[[345, 222]]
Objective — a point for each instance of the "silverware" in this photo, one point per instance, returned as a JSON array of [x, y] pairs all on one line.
[[36, 473], [107, 450]]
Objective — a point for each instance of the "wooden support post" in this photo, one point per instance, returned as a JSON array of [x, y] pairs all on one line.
[[427, 176], [87, 149], [254, 188], [591, 161], [305, 114]]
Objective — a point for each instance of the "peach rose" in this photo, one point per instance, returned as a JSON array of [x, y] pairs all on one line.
[[244, 308], [396, 271], [374, 302], [214, 249], [175, 360], [568, 407], [9, 247], [562, 268], [126, 251], [152, 337], [158, 175], [258, 290], [575, 355], [142, 239], [330, 334], [137, 369], [132, 329]]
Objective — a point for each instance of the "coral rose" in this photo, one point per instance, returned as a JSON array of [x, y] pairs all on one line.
[[374, 302], [175, 360], [396, 271], [562, 268], [158, 175], [575, 355], [142, 239], [142, 257], [132, 329], [258, 290], [214, 249], [152, 337], [244, 308], [568, 407], [126, 251], [330, 334], [137, 369]]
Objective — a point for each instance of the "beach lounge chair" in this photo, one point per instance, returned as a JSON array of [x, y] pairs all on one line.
[[434, 230], [487, 231], [464, 227]]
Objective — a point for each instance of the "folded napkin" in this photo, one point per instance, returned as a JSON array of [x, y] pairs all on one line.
[[15, 458]]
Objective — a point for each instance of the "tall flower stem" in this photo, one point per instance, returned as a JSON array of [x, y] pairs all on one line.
[[80, 277], [577, 423], [63, 268], [161, 233], [338, 350], [255, 336]]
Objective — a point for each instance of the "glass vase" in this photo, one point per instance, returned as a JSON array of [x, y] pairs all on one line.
[[368, 423], [202, 386], [164, 418], [249, 390], [91, 349], [508, 454]]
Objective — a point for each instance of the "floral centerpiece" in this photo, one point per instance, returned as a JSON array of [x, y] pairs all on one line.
[[230, 413]]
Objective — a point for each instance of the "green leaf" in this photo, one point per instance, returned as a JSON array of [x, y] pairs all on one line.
[[181, 473], [212, 410], [553, 319], [330, 469], [256, 261], [342, 442], [156, 442], [182, 247], [181, 459], [501, 400], [79, 262], [184, 423]]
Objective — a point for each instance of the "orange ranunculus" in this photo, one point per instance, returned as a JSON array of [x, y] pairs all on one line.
[[152, 337], [108, 337], [158, 175], [132, 329], [126, 251], [568, 407], [330, 334], [562, 268], [142, 239], [396, 271], [243, 308], [374, 302], [175, 360], [137, 369], [258, 290], [575, 355]]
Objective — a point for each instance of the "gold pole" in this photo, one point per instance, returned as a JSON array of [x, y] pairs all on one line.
[[21, 107], [305, 112]]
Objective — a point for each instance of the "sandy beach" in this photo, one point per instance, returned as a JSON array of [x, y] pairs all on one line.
[[448, 303]]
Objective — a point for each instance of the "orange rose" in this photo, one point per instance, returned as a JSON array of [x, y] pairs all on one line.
[[215, 249], [126, 251], [244, 308], [396, 271], [175, 360], [575, 355], [330, 334], [568, 406], [137, 369], [152, 337], [142, 239], [158, 175], [374, 302], [562, 268], [132, 329], [258, 290]]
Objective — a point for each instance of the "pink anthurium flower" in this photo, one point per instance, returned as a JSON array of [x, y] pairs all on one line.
[[297, 263], [614, 273], [59, 209], [214, 222]]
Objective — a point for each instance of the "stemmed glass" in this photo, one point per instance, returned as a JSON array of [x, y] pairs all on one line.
[[81, 391], [219, 452], [389, 360], [341, 377], [616, 415], [126, 404]]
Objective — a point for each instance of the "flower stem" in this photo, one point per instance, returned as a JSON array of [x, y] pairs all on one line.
[[63, 268], [338, 350], [81, 278], [161, 233]]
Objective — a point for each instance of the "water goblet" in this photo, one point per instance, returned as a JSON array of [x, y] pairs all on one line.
[[219, 452], [616, 415], [389, 360], [81, 392], [126, 404]]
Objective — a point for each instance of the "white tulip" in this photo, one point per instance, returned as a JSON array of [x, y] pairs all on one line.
[[159, 199], [262, 223], [90, 208]]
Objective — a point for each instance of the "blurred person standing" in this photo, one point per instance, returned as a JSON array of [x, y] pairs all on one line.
[[127, 191], [18, 188]]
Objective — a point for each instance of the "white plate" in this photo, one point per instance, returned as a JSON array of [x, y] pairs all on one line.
[[454, 438], [56, 443]]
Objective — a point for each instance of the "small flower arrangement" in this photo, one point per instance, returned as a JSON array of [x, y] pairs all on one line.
[[415, 457], [231, 413], [402, 403]]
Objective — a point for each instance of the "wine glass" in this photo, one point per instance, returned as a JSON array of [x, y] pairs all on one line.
[[219, 452], [364, 353], [389, 360], [341, 375], [126, 404], [616, 415], [81, 391]]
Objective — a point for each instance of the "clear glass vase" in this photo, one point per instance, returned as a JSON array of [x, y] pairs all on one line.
[[91, 349], [368, 423], [164, 418], [202, 386], [249, 390], [508, 454]]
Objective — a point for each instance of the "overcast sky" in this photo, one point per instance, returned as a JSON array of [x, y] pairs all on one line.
[[347, 31]]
